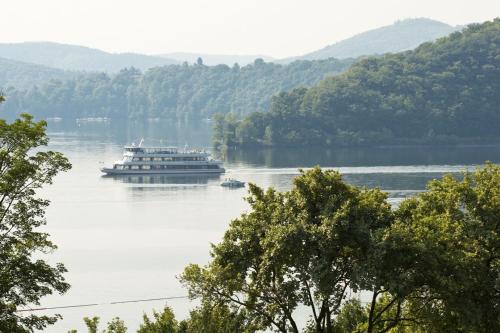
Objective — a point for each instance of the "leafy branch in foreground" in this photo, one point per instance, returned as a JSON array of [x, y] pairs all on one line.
[[24, 277]]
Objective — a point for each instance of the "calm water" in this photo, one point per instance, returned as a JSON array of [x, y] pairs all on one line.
[[128, 238]]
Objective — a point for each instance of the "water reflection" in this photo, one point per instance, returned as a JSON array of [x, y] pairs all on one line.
[[163, 132], [164, 179], [364, 156], [198, 134]]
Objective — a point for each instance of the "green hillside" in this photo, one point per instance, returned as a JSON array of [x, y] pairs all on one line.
[[441, 92], [180, 92], [24, 75], [216, 59]]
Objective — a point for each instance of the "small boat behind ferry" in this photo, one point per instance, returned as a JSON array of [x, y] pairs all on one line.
[[164, 160], [230, 182]]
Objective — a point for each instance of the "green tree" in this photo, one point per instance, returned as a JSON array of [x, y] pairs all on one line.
[[24, 276], [162, 322], [218, 318], [218, 130], [115, 325], [302, 247], [92, 324], [351, 317], [449, 247]]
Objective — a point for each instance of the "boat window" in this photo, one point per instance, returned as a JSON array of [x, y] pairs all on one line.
[[134, 149], [146, 167]]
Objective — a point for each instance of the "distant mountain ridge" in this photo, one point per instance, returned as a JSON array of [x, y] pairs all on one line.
[[55, 61], [23, 75], [400, 36], [216, 59], [78, 58]]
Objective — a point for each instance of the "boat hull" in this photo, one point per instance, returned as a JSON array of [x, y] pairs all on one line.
[[111, 171]]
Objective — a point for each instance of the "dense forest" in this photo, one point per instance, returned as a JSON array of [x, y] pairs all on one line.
[[23, 75], [178, 92], [440, 92]]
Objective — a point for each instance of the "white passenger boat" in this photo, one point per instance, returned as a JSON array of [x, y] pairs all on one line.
[[164, 160]]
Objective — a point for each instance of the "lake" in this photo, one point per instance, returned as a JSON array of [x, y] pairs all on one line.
[[127, 238]]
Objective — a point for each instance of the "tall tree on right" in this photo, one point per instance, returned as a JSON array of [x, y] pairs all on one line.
[[449, 250]]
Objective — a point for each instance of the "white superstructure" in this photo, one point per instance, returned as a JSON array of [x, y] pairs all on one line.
[[164, 160]]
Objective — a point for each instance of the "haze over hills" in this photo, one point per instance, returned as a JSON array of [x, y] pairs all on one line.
[[400, 36], [78, 58], [23, 75], [216, 59]]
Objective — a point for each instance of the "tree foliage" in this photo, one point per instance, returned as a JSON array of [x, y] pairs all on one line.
[[180, 92], [449, 244], [115, 325], [302, 247], [207, 318], [23, 75], [440, 92], [431, 265], [218, 318], [24, 276], [163, 322]]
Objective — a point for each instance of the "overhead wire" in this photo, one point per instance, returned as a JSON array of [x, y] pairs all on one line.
[[104, 303]]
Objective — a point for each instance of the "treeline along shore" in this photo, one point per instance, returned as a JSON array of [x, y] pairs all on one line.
[[442, 92], [185, 93]]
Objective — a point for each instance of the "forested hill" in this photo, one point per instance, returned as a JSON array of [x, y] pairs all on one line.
[[78, 58], [401, 36], [23, 75], [216, 59], [181, 92], [442, 91]]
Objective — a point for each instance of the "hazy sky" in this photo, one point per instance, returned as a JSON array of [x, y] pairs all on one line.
[[277, 28]]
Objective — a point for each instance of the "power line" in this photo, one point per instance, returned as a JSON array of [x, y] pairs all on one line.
[[106, 303]]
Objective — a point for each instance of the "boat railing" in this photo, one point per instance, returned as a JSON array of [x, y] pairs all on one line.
[[163, 150]]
